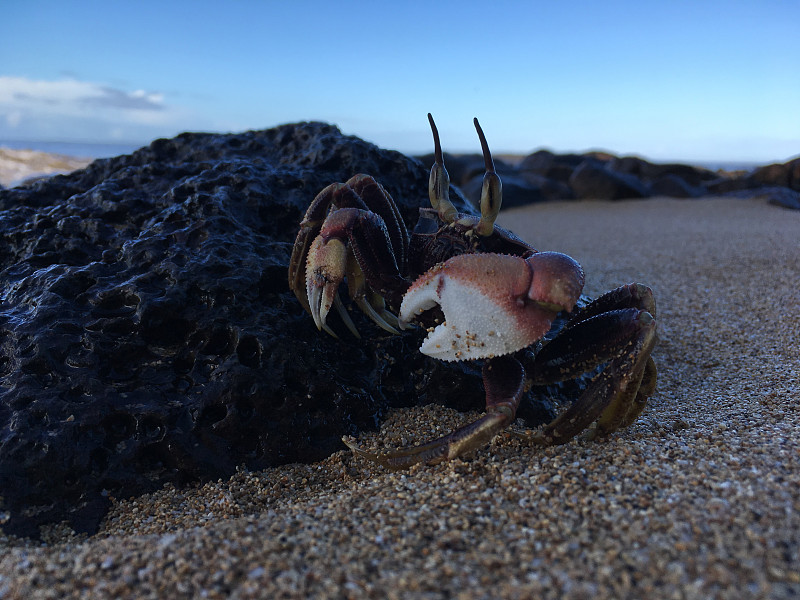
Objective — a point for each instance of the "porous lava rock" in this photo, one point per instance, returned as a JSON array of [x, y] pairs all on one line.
[[148, 334]]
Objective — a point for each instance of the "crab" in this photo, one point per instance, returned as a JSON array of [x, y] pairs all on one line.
[[483, 294]]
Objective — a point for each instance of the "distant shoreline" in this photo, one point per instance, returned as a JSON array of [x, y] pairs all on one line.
[[73, 149], [711, 165], [18, 167], [105, 150]]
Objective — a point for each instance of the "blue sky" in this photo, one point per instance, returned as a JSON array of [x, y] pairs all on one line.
[[693, 81]]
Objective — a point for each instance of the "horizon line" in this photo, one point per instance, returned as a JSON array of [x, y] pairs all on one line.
[[499, 154]]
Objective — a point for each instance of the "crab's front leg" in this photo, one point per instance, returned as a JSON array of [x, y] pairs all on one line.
[[371, 219], [503, 379], [353, 243]]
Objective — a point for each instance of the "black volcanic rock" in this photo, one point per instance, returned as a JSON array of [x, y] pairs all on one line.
[[516, 191], [550, 189], [784, 175], [591, 179], [727, 185], [520, 190], [675, 187], [558, 167], [148, 334], [649, 172]]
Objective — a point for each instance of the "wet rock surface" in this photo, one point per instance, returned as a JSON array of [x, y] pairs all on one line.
[[148, 334]]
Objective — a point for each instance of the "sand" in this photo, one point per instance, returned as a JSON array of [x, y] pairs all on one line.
[[22, 166], [698, 499]]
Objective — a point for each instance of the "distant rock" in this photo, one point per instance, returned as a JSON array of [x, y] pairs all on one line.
[[600, 175], [550, 189], [779, 196], [784, 175], [783, 197], [649, 172], [558, 167], [517, 191], [591, 179], [727, 185], [463, 168], [675, 187]]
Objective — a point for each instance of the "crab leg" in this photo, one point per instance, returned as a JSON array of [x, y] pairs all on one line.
[[336, 195], [309, 229], [377, 200], [504, 380], [633, 295], [332, 262], [624, 339]]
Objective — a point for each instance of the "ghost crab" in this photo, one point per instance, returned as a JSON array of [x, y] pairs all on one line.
[[497, 294]]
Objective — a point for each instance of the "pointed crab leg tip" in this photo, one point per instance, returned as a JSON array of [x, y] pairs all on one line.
[[645, 318], [340, 308], [358, 450], [377, 318]]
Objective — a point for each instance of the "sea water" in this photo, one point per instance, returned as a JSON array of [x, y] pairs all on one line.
[[76, 149]]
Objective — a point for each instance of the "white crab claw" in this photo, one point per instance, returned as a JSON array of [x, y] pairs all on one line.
[[493, 304]]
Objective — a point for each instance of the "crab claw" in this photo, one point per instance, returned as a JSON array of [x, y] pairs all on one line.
[[493, 304], [325, 270]]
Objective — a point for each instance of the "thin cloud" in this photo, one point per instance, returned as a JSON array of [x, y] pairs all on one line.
[[138, 100], [69, 108], [71, 95]]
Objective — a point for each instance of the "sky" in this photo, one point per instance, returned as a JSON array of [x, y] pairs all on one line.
[[681, 80]]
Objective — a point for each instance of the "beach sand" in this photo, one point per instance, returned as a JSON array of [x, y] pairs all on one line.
[[700, 498], [20, 166]]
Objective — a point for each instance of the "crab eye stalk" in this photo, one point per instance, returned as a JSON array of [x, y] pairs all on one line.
[[492, 190], [439, 182]]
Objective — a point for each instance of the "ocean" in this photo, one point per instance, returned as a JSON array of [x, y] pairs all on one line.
[[77, 149], [98, 150]]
